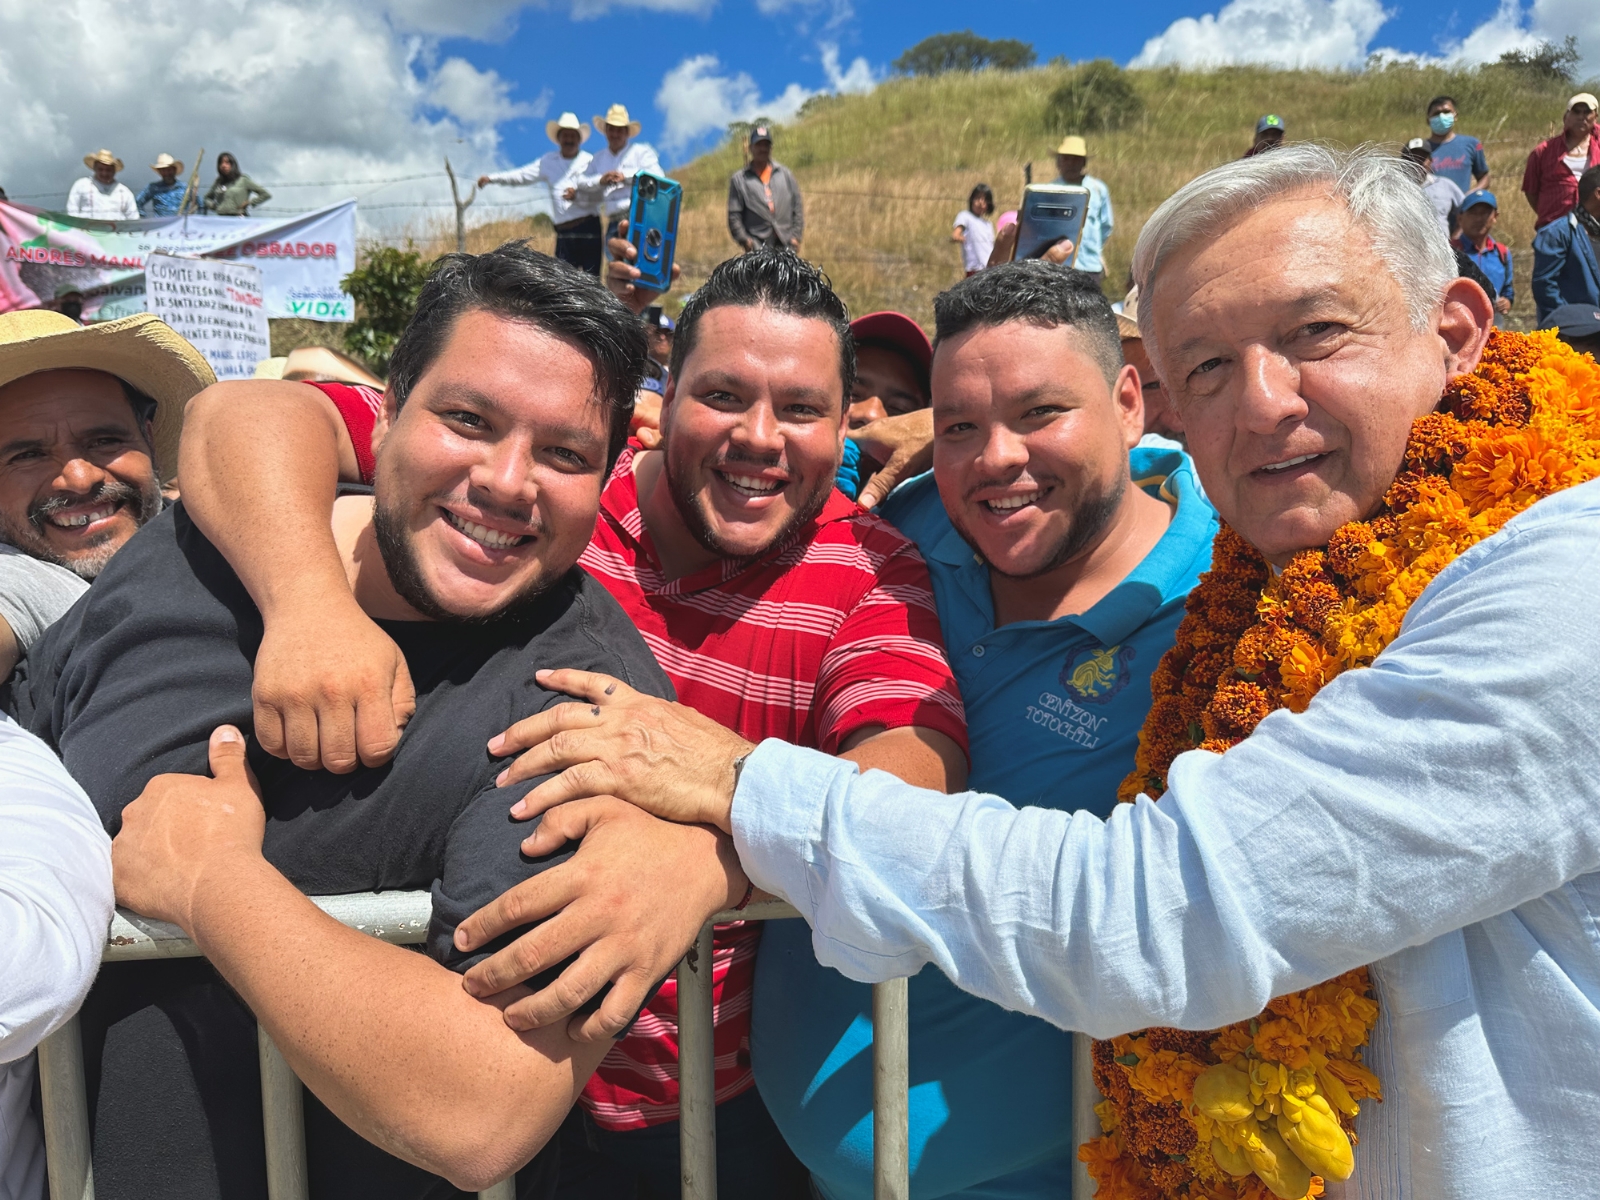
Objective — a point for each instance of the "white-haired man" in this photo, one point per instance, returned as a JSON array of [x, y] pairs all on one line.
[[1434, 814]]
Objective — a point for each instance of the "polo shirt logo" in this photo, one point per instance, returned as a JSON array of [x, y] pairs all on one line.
[[1094, 675]]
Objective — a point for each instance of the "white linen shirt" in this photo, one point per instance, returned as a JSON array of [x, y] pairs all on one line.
[[614, 198], [102, 201], [1436, 815], [560, 173], [55, 907]]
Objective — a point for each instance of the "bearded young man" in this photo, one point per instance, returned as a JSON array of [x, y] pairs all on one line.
[[1433, 814], [771, 601], [485, 493]]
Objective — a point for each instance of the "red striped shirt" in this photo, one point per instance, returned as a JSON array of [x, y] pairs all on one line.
[[831, 631]]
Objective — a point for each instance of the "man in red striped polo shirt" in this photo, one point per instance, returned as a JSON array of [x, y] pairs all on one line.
[[775, 605]]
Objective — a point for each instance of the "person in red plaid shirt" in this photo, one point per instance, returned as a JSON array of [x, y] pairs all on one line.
[[775, 604]]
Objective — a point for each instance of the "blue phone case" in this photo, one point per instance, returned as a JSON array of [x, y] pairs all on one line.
[[1048, 213], [653, 228]]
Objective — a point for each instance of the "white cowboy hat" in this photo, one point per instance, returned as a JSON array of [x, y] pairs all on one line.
[[166, 160], [617, 115], [141, 350], [568, 121], [102, 156]]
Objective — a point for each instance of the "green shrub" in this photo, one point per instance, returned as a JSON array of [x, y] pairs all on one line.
[[385, 288], [1097, 96], [1546, 62], [964, 51]]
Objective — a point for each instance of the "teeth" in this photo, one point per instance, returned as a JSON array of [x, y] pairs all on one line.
[[1291, 462], [78, 520], [479, 533], [1007, 503], [751, 483]]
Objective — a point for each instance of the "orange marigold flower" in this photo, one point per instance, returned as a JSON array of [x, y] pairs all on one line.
[[1282, 1040], [1303, 671], [1436, 441], [1232, 1042], [1361, 1083], [1236, 709], [1516, 467]]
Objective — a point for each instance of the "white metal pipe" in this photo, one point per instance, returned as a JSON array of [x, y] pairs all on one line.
[[1085, 1124], [891, 1076], [697, 1094], [283, 1125], [397, 917], [65, 1099]]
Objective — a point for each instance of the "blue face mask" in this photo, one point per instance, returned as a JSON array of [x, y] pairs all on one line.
[[1442, 122]]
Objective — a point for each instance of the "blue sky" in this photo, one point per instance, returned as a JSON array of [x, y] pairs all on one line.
[[556, 60]]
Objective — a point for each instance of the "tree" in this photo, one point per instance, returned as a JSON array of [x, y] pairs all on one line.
[[964, 51], [1097, 96], [1546, 62], [385, 288]]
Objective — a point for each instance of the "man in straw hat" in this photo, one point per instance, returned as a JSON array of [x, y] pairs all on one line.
[[89, 420], [608, 182], [577, 225], [100, 195], [1072, 158], [164, 197]]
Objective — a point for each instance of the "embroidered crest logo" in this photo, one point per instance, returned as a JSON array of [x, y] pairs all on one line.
[[1095, 674]]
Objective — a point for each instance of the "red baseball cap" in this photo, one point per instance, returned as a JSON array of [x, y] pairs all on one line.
[[897, 330]]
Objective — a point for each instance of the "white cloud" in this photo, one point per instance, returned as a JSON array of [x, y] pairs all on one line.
[[1339, 33], [1287, 33], [299, 90], [697, 100], [583, 10], [856, 79]]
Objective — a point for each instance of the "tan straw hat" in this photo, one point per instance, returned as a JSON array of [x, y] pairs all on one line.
[[141, 350], [1073, 145], [163, 161], [617, 115], [567, 121], [102, 155]]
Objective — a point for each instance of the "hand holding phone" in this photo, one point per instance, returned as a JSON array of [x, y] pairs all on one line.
[[653, 228], [1051, 213]]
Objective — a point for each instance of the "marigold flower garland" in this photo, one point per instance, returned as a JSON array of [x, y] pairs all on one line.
[[1267, 1107]]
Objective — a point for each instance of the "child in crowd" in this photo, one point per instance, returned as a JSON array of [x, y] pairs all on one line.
[[973, 231]]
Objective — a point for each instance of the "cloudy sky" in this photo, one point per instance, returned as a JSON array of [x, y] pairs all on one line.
[[323, 99]]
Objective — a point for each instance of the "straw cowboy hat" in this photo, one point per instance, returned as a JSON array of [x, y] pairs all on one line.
[[1073, 145], [141, 350], [102, 155], [568, 121], [617, 115], [317, 364], [164, 161]]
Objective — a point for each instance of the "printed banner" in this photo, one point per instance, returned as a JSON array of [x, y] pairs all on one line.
[[45, 256], [217, 306]]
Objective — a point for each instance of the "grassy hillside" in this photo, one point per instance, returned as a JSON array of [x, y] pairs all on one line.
[[884, 174]]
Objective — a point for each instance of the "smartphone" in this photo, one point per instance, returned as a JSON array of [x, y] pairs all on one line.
[[653, 228], [1048, 213]]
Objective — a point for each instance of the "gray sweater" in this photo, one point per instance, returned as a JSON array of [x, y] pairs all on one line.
[[749, 216]]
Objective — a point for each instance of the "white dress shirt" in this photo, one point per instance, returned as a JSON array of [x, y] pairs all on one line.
[[1436, 815], [614, 198], [55, 907], [102, 201], [560, 173]]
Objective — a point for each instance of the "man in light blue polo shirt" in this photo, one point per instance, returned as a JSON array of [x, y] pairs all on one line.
[[1060, 563], [1072, 162]]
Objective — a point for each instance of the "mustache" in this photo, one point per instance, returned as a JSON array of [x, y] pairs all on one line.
[[528, 519], [1041, 482], [112, 490]]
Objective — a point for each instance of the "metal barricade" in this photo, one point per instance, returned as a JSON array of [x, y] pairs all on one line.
[[402, 918]]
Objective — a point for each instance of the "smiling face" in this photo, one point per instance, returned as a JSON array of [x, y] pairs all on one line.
[[1030, 448], [76, 476], [616, 137], [488, 479], [1287, 348], [105, 172], [753, 427], [569, 140]]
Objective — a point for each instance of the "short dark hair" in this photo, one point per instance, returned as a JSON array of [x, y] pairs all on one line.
[[1588, 181], [1438, 100], [986, 192], [1039, 293], [520, 284], [777, 279], [144, 406]]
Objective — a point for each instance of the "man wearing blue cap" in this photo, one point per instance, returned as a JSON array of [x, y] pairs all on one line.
[[1269, 135], [1479, 212], [1578, 325]]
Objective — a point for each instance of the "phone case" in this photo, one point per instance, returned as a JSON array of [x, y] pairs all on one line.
[[653, 228], [1048, 213]]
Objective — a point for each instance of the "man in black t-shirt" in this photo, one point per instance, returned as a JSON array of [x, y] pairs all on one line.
[[508, 399]]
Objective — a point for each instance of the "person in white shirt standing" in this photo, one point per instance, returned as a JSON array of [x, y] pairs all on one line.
[[55, 907], [100, 195], [577, 225], [973, 231], [609, 180]]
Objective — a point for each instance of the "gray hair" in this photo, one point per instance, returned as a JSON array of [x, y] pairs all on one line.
[[1378, 188]]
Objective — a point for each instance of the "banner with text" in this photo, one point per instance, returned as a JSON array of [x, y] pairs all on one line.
[[45, 256], [218, 306]]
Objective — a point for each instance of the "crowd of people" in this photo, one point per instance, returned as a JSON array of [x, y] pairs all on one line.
[[101, 196], [1124, 664]]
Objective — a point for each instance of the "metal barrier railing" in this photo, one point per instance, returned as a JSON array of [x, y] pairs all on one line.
[[402, 918]]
